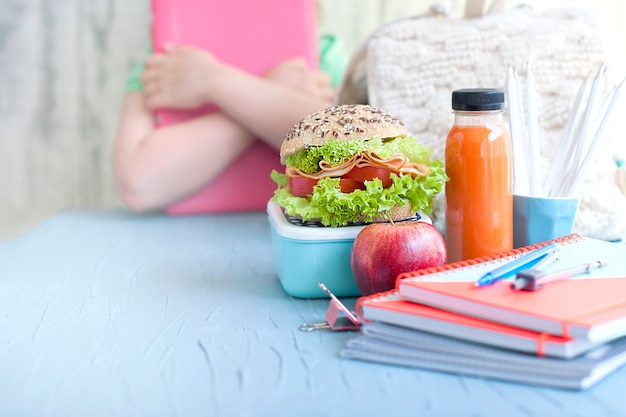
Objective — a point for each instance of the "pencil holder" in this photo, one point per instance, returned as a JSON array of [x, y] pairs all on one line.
[[537, 219]]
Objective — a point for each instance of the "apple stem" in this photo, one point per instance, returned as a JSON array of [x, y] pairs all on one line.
[[388, 214]]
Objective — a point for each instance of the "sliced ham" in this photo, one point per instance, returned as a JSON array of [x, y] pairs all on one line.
[[398, 164]]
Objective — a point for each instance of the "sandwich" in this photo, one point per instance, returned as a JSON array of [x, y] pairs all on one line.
[[355, 164]]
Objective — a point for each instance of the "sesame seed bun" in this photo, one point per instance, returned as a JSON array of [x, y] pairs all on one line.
[[341, 123]]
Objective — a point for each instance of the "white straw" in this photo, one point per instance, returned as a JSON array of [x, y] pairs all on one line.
[[573, 190], [584, 136], [558, 167], [533, 134], [568, 164], [520, 171], [523, 134]]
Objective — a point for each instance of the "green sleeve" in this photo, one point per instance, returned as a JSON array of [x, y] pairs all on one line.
[[333, 59], [133, 82]]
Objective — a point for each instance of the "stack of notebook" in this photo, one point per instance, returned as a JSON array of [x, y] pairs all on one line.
[[568, 334]]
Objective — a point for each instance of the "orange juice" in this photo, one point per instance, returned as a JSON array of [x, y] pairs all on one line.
[[479, 200]]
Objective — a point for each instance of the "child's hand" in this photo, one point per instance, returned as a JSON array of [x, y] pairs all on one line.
[[180, 77], [294, 73]]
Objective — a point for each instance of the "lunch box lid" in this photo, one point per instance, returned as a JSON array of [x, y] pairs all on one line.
[[287, 230]]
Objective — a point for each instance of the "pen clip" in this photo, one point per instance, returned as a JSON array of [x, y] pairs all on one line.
[[528, 279], [546, 261]]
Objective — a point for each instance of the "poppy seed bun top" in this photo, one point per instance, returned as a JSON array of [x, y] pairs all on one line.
[[343, 123]]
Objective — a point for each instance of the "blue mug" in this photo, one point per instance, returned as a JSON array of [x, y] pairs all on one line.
[[537, 219]]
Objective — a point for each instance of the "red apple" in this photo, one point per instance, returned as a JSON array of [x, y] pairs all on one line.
[[381, 251]]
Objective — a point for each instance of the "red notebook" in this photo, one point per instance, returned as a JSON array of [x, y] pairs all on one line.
[[589, 306], [391, 309], [255, 36]]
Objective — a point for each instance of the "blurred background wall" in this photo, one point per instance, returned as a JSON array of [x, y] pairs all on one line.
[[63, 64]]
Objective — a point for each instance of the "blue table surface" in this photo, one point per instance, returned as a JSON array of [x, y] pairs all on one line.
[[107, 313]]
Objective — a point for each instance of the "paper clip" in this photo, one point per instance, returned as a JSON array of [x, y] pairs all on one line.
[[535, 278], [338, 317]]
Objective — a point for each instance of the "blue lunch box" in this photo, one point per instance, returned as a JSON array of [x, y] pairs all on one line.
[[303, 256]]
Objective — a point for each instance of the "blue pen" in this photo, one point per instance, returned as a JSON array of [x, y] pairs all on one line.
[[516, 265]]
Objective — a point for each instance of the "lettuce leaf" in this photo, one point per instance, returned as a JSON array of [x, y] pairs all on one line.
[[334, 208]]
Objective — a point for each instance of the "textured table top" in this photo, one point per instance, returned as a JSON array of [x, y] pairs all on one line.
[[115, 314]]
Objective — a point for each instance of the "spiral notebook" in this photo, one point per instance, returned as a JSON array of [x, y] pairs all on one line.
[[253, 36], [590, 306], [393, 345]]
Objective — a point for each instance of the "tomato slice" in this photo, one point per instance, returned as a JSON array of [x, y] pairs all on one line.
[[348, 185], [301, 186], [367, 173]]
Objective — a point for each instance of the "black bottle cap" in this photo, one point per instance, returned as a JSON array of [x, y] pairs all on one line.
[[477, 99]]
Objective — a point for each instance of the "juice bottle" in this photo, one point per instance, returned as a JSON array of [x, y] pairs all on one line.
[[479, 200]]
